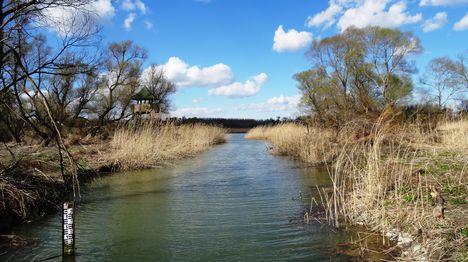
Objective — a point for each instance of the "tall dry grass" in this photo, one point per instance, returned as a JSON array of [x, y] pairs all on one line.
[[151, 144], [389, 178], [454, 134], [394, 187], [311, 145]]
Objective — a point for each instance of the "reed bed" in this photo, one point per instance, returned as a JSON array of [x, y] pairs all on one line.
[[406, 182], [454, 134], [311, 145], [155, 144]]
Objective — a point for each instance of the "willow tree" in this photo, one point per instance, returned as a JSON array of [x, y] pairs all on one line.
[[358, 72], [118, 83]]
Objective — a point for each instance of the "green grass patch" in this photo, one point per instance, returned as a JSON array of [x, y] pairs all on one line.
[[464, 232], [455, 195], [438, 167]]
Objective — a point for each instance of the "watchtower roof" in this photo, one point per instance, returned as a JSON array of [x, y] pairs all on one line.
[[144, 94]]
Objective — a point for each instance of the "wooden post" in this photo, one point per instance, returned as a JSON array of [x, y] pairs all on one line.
[[68, 229]]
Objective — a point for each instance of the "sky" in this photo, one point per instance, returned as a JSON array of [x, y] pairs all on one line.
[[237, 58]]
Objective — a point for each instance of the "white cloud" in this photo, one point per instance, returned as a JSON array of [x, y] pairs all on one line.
[[326, 17], [67, 21], [178, 71], [375, 12], [129, 5], [278, 103], [197, 100], [362, 13], [290, 41], [196, 112], [435, 23], [103, 8], [442, 2], [129, 21], [237, 89], [462, 24], [148, 24]]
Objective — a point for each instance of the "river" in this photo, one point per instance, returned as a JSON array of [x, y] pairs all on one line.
[[236, 202]]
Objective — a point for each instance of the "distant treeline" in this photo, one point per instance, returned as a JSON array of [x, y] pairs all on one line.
[[230, 123]]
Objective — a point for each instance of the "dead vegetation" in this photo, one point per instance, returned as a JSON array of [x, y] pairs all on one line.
[[156, 144], [407, 182], [311, 145], [30, 181]]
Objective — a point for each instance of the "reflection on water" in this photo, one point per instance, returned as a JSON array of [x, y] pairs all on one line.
[[233, 203]]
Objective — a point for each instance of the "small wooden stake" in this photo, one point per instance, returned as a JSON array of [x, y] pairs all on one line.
[[68, 229]]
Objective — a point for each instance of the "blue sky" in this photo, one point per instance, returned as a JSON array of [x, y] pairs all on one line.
[[231, 58]]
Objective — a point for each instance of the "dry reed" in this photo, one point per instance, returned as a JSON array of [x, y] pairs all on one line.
[[392, 179], [311, 145], [388, 185], [454, 134], [151, 144]]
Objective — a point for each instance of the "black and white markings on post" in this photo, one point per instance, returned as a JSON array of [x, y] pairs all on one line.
[[68, 228]]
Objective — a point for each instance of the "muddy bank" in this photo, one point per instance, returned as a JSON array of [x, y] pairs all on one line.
[[29, 194]]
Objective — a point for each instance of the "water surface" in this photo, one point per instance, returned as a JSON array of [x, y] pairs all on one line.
[[236, 202]]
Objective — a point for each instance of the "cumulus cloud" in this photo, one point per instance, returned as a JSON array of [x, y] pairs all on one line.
[[66, 21], [129, 21], [462, 24], [362, 13], [129, 5], [441, 2], [375, 12], [435, 23], [249, 88], [278, 103], [326, 17], [179, 72], [103, 9], [196, 112], [291, 40]]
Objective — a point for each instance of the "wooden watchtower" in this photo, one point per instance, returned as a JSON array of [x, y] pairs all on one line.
[[145, 104]]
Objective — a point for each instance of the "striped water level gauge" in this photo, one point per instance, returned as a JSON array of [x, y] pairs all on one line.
[[68, 229]]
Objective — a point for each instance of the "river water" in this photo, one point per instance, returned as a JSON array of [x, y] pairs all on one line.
[[236, 202]]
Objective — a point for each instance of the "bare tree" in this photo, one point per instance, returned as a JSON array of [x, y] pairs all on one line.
[[439, 78], [122, 64], [23, 20], [159, 87]]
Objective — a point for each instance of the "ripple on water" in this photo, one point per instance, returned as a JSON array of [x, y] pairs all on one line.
[[233, 203]]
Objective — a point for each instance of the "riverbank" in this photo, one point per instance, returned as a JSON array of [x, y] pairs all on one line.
[[31, 185], [408, 183]]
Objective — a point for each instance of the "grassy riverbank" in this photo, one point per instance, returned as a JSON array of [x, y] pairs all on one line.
[[407, 182], [31, 185]]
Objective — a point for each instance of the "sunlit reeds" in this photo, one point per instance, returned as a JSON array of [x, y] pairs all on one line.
[[408, 182], [311, 145], [154, 144]]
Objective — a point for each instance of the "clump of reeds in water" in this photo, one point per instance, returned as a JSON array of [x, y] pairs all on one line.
[[308, 144], [153, 143]]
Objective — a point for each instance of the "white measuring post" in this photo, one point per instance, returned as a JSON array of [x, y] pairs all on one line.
[[68, 229]]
